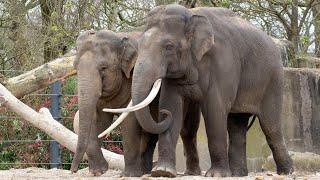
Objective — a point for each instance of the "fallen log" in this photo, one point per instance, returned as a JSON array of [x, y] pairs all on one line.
[[45, 122], [41, 76]]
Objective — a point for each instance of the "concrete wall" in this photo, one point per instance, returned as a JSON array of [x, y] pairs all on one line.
[[301, 109], [301, 122]]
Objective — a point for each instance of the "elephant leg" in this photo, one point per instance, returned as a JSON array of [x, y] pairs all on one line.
[[171, 106], [237, 130], [149, 141], [270, 121], [97, 164], [148, 144], [131, 132], [103, 122], [215, 117], [189, 138]]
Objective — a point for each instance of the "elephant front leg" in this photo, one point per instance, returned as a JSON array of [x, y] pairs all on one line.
[[171, 106], [97, 163], [215, 118], [148, 144], [131, 133], [189, 138]]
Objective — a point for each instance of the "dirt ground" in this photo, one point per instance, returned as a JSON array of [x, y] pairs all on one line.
[[39, 173]]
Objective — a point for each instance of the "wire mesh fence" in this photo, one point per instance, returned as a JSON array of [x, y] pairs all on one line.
[[22, 145]]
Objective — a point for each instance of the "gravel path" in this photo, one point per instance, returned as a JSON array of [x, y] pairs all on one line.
[[39, 173]]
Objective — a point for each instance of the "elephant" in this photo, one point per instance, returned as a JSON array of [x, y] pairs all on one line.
[[213, 61], [104, 64]]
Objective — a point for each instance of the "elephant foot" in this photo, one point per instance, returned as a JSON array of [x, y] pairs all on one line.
[[285, 170], [98, 168], [193, 171], [240, 172], [215, 172], [131, 173], [164, 170]]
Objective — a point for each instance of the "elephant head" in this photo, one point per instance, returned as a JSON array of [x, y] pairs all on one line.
[[104, 59], [172, 47]]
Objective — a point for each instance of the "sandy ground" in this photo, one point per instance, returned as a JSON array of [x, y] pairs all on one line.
[[39, 173]]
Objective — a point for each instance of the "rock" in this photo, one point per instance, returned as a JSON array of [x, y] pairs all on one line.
[[301, 109], [307, 161]]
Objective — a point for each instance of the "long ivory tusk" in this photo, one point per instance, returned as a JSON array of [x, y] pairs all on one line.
[[116, 123], [153, 93]]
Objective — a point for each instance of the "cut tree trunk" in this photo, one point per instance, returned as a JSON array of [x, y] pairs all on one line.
[[41, 76], [45, 122]]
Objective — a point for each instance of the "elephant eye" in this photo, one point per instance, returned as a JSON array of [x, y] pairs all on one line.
[[103, 68], [169, 47]]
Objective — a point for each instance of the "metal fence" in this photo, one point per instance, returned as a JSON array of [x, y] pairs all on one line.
[[22, 145]]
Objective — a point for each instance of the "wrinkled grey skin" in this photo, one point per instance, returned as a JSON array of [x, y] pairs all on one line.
[[104, 66], [210, 58]]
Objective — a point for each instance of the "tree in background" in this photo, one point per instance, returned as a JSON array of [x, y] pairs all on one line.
[[291, 19], [35, 31], [316, 24], [15, 44]]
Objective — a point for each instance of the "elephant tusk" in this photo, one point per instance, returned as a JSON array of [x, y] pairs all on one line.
[[76, 123], [153, 93], [116, 123]]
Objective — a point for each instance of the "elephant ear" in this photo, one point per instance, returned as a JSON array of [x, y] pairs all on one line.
[[200, 35], [128, 56]]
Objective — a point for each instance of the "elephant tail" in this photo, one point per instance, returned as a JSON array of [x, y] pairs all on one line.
[[251, 123]]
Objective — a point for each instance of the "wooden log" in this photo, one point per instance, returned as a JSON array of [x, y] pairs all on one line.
[[45, 122], [41, 76]]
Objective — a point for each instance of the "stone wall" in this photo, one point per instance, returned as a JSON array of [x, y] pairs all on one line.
[[301, 109]]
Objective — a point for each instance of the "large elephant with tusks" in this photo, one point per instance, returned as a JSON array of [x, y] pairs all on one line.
[[104, 64], [212, 60]]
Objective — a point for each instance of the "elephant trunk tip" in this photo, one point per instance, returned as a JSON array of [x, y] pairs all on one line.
[[80, 150]]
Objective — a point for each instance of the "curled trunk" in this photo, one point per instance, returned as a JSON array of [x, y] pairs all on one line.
[[140, 89]]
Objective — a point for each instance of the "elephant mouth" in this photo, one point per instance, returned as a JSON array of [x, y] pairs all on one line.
[[111, 88]]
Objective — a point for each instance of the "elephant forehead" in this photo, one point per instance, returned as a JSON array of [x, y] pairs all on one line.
[[173, 24], [151, 35], [156, 34]]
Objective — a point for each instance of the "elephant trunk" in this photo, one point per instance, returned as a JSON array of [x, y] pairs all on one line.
[[89, 91], [143, 78]]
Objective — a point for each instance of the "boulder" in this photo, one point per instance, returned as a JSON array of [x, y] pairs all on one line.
[[303, 162], [301, 109]]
